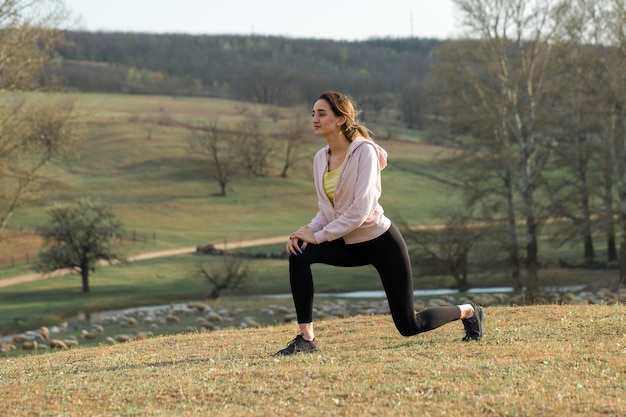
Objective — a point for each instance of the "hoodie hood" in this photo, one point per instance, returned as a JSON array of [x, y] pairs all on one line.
[[380, 152]]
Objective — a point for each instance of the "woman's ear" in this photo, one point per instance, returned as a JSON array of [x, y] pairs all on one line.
[[341, 121]]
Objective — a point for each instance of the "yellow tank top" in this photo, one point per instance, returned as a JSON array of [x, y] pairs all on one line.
[[330, 180]]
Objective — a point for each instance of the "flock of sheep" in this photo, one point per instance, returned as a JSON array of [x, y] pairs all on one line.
[[141, 323]]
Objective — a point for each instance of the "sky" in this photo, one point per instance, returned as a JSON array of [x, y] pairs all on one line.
[[339, 19]]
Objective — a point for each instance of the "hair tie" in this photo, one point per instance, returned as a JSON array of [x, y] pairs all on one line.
[[353, 127]]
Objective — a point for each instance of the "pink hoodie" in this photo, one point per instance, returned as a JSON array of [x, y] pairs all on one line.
[[356, 216]]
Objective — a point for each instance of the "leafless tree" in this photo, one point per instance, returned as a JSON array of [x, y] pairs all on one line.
[[410, 103], [294, 138], [29, 36], [600, 26], [447, 247], [33, 129], [229, 274], [253, 145], [31, 135], [215, 147], [498, 87]]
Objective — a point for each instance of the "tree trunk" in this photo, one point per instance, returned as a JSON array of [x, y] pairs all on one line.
[[583, 188], [532, 260], [609, 223], [84, 273], [513, 246], [622, 209]]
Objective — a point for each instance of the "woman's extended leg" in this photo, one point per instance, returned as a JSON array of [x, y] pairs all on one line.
[[393, 264]]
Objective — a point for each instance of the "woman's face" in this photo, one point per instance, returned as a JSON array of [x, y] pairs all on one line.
[[324, 120]]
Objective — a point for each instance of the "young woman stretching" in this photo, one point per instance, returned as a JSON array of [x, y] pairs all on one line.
[[350, 229]]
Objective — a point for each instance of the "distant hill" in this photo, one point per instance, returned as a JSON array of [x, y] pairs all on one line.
[[267, 70]]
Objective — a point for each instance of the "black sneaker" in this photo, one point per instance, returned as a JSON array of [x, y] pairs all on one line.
[[299, 345], [474, 325]]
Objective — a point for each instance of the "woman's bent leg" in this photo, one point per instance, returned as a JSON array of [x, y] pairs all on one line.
[[300, 277], [394, 266]]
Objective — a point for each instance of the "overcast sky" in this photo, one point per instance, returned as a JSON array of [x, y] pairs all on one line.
[[339, 19]]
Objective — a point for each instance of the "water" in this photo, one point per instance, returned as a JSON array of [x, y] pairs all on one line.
[[434, 292]]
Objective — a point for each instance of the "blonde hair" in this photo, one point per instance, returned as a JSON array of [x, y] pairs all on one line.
[[342, 105]]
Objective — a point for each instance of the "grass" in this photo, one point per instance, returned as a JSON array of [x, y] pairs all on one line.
[[537, 360]]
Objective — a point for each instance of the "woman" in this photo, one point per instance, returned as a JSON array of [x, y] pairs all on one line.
[[350, 229]]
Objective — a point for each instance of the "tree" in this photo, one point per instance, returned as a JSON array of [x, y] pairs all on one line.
[[410, 102], [253, 145], [448, 247], [572, 194], [230, 274], [217, 148], [505, 82], [28, 40], [31, 135], [601, 26], [79, 237], [294, 137], [31, 132]]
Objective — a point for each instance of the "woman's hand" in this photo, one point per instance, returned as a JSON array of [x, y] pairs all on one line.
[[299, 240]]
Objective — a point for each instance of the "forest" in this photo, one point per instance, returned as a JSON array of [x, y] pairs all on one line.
[[277, 71]]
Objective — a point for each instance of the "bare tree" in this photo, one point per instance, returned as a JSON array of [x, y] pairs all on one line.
[[600, 25], [294, 138], [266, 82], [216, 147], [230, 274], [410, 102], [31, 135], [254, 145], [447, 247], [504, 80], [29, 36], [577, 144], [33, 131]]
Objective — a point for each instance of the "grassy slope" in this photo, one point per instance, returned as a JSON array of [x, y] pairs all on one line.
[[135, 158], [540, 360]]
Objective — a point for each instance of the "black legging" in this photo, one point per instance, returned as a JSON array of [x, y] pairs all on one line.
[[389, 255]]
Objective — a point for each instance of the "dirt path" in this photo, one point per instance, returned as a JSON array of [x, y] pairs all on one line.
[[144, 256]]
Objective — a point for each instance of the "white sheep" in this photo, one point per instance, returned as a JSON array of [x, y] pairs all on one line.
[[30, 345], [57, 344]]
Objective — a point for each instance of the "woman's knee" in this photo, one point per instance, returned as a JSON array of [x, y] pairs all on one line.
[[296, 260], [407, 327]]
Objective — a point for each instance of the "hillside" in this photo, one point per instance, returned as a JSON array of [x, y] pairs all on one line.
[[542, 360], [388, 76], [136, 157]]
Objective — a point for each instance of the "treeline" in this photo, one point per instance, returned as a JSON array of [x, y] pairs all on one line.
[[267, 70]]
